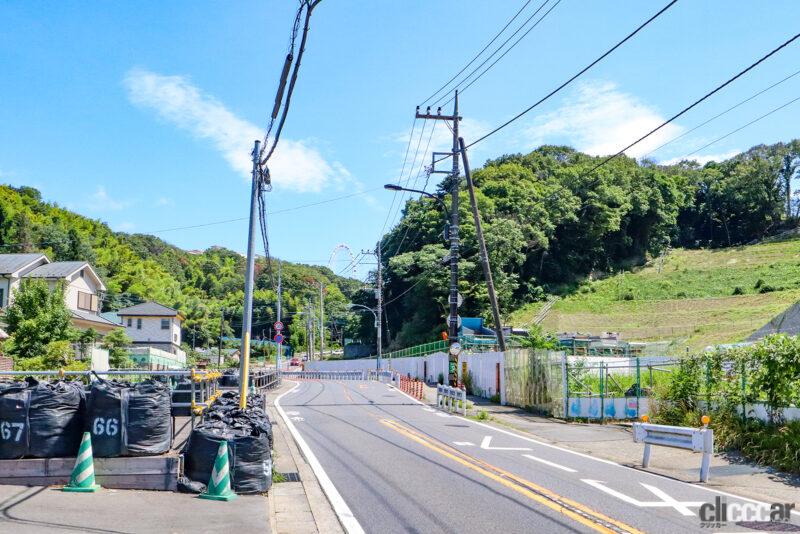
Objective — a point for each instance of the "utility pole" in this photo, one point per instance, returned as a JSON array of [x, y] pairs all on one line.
[[309, 332], [279, 356], [321, 321], [452, 321], [379, 308], [247, 314], [379, 296], [487, 269]]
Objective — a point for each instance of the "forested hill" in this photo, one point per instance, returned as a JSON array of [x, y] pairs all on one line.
[[138, 267], [551, 223]]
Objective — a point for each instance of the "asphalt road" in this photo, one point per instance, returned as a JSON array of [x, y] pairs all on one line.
[[404, 467]]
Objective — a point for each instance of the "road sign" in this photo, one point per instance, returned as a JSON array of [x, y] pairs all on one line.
[[278, 326], [455, 350], [459, 300], [278, 338]]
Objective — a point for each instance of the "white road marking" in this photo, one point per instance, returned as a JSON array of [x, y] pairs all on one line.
[[440, 414], [346, 517], [666, 501], [429, 409], [487, 444], [604, 461], [464, 443], [551, 464], [292, 413], [297, 418]]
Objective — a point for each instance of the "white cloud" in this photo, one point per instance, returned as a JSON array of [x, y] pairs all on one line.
[[702, 160], [295, 165], [162, 202], [100, 200], [600, 120]]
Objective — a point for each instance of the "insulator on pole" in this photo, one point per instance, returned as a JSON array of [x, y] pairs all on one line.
[[284, 76]]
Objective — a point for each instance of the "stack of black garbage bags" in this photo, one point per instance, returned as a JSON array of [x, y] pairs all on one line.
[[248, 434], [47, 419]]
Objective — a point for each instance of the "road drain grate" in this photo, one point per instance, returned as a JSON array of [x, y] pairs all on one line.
[[289, 477]]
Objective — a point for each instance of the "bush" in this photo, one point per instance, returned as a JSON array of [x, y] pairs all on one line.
[[483, 415], [738, 291], [440, 379]]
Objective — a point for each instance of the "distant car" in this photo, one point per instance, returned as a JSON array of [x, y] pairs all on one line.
[[294, 362]]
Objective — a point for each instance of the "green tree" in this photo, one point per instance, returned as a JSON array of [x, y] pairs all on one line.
[[37, 317], [116, 343]]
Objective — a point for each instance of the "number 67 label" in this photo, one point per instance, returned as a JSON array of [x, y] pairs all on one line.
[[11, 431]]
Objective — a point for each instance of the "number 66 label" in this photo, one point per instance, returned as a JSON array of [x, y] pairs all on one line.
[[11, 431], [109, 427]]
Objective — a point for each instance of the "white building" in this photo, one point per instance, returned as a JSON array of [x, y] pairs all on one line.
[[152, 325], [82, 286]]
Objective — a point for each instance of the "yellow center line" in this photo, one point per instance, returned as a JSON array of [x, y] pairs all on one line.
[[572, 509]]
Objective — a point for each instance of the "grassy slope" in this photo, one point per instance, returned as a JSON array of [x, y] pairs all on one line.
[[690, 301]]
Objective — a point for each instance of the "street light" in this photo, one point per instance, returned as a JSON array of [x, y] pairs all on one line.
[[377, 326], [395, 187]]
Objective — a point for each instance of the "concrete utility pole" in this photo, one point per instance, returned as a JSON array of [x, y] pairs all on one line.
[[487, 269], [452, 321], [247, 314], [279, 357], [379, 297], [221, 332], [321, 321]]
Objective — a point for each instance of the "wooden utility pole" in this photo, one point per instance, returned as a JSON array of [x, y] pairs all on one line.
[[487, 269]]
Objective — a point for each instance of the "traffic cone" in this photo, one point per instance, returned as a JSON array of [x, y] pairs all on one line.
[[219, 487], [82, 479]]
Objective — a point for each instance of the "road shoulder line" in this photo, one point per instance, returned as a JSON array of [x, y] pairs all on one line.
[[345, 516]]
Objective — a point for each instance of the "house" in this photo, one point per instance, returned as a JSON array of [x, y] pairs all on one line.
[[83, 288], [151, 324]]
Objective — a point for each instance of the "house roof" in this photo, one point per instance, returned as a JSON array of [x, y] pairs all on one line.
[[11, 263], [92, 317], [57, 269], [153, 309], [64, 269]]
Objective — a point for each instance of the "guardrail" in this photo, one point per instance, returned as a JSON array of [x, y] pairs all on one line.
[[325, 375], [450, 398], [679, 437], [265, 379], [381, 376]]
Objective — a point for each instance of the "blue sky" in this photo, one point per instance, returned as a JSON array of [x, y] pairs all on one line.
[[142, 114]]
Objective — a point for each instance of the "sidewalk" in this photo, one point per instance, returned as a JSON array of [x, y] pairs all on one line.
[[297, 506], [615, 442]]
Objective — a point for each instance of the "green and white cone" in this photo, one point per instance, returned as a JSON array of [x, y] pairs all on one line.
[[219, 487], [82, 479]]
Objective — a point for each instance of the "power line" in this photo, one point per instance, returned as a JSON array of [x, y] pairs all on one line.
[[479, 53], [570, 80], [698, 101], [402, 172], [410, 171], [718, 115], [744, 126], [464, 88]]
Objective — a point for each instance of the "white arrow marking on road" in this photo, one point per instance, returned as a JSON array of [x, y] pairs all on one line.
[[486, 444], [666, 501], [464, 443], [292, 413], [297, 419], [551, 464]]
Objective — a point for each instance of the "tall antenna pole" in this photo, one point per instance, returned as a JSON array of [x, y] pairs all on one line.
[[247, 314]]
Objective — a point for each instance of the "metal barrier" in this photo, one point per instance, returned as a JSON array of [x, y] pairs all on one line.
[[448, 398], [679, 437], [265, 379], [325, 375], [381, 376]]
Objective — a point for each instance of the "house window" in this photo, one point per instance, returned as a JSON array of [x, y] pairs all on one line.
[[2, 297], [138, 324], [87, 301], [164, 324], [82, 273], [130, 322]]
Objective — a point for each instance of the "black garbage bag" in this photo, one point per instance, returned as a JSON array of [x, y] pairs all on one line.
[[230, 378], [249, 455], [129, 419], [41, 419]]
